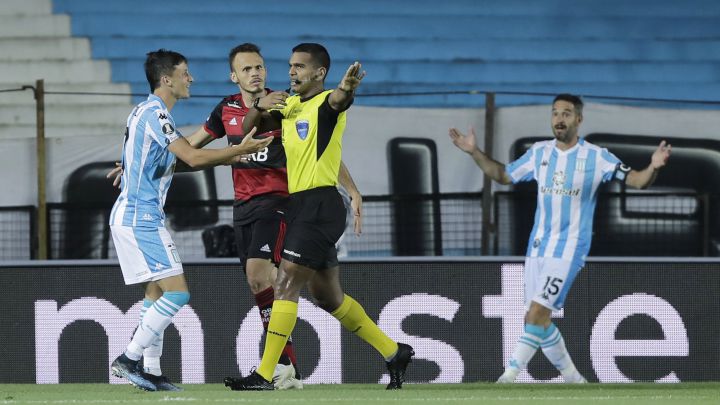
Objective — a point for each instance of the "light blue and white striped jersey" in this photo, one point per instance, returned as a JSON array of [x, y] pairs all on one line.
[[568, 182], [148, 166]]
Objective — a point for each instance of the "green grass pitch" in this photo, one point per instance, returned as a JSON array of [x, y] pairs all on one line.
[[479, 393]]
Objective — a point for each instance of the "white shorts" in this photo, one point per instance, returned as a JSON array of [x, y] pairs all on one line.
[[548, 280], [145, 254]]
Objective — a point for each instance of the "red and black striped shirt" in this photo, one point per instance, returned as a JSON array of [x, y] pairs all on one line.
[[265, 172]]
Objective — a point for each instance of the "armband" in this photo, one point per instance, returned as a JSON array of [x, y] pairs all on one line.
[[256, 105], [621, 172]]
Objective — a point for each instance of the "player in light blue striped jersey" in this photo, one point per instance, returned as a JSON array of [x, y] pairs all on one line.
[[144, 247], [569, 171]]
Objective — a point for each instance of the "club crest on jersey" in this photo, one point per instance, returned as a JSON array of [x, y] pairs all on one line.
[[302, 127], [559, 178]]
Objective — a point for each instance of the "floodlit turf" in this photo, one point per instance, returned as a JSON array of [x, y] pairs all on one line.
[[481, 393]]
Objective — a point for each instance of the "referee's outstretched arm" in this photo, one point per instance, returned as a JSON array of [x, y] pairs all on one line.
[[342, 96]]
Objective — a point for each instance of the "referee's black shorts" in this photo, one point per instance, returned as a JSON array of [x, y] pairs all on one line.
[[315, 221]]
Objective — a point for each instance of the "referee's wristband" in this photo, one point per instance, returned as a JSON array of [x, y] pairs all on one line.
[[256, 105]]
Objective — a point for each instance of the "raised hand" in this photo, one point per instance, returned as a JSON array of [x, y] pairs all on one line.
[[352, 78], [661, 155], [466, 143]]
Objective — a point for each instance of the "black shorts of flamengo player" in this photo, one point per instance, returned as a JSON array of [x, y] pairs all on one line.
[[259, 225], [315, 222]]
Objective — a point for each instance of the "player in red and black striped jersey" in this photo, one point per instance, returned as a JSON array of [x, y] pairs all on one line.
[[261, 188], [260, 183]]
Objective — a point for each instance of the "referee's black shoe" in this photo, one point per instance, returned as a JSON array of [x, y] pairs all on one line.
[[253, 382], [398, 365]]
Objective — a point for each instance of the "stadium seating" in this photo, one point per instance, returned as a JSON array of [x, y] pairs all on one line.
[[642, 49], [83, 231], [35, 44]]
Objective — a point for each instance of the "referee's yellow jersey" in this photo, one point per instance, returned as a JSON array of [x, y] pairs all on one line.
[[312, 136]]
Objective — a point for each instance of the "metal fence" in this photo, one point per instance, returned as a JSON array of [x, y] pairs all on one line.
[[626, 224], [17, 232]]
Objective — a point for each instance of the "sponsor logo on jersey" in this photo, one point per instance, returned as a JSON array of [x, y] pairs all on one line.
[[265, 248], [558, 180], [147, 217], [233, 121], [291, 253]]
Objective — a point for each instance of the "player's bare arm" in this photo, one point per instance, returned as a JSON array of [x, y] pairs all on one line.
[[645, 178], [199, 138], [258, 115], [202, 158], [355, 197], [341, 97], [468, 144]]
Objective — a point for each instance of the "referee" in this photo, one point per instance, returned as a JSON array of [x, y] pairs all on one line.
[[313, 122]]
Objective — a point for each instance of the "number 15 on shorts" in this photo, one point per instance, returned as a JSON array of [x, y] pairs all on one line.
[[552, 285]]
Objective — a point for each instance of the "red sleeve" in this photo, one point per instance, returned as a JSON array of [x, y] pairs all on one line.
[[214, 125]]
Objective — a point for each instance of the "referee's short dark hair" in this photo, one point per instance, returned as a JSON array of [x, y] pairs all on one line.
[[576, 101], [161, 63], [318, 53], [247, 47]]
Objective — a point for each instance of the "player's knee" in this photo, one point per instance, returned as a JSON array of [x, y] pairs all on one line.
[[178, 298], [259, 275], [258, 285], [538, 315], [258, 281]]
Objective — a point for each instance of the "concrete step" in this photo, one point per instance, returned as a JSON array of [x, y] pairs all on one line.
[[25, 7], [24, 26], [112, 93], [143, 24], [203, 70], [195, 110], [396, 49], [414, 7], [55, 131], [67, 114], [76, 71], [44, 48], [213, 92]]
